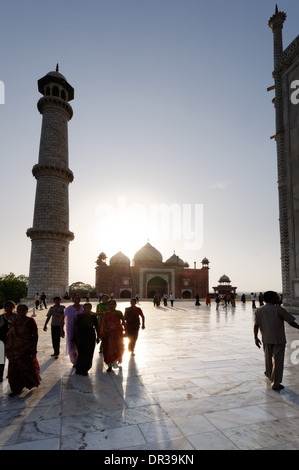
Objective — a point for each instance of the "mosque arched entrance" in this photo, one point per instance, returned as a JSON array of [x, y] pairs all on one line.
[[186, 294], [125, 294], [156, 285]]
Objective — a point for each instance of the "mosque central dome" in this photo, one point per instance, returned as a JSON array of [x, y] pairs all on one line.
[[148, 253]]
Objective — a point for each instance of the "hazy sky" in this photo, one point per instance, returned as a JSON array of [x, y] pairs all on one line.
[[171, 114]]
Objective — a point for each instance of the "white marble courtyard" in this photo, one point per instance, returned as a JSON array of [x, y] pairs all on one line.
[[196, 382]]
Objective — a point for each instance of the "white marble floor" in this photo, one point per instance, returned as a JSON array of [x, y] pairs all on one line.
[[196, 382]]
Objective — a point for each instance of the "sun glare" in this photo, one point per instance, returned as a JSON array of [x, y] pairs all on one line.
[[126, 233]]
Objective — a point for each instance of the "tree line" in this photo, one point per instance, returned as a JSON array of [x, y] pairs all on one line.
[[15, 288]]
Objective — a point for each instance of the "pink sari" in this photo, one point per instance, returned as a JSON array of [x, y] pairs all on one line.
[[70, 317]]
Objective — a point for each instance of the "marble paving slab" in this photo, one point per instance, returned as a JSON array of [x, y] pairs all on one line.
[[196, 383]]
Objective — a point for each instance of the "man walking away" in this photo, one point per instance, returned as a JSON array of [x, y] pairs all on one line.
[[269, 319]]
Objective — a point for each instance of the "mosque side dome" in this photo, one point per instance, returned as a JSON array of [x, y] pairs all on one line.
[[205, 261], [175, 259], [224, 278], [148, 253], [119, 258]]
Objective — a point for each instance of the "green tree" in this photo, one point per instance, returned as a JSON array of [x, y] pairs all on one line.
[[82, 289], [13, 287]]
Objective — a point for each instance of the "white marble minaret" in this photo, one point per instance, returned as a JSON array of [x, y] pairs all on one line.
[[50, 235]]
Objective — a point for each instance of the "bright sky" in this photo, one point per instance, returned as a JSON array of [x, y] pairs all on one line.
[[171, 114]]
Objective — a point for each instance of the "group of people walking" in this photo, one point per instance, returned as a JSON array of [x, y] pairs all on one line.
[[262, 300], [225, 300], [82, 328], [40, 300], [107, 326], [157, 299]]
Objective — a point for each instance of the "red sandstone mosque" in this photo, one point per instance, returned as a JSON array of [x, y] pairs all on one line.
[[149, 275]]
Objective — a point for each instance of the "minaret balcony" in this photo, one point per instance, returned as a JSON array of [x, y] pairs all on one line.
[[61, 172], [54, 101]]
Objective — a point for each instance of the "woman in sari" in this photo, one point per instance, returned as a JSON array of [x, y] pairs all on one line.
[[102, 307], [70, 318], [5, 321], [86, 335], [112, 336], [23, 367]]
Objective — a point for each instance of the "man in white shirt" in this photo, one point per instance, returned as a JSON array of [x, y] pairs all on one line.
[[269, 319]]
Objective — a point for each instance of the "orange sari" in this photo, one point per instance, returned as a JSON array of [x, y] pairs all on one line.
[[112, 337]]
